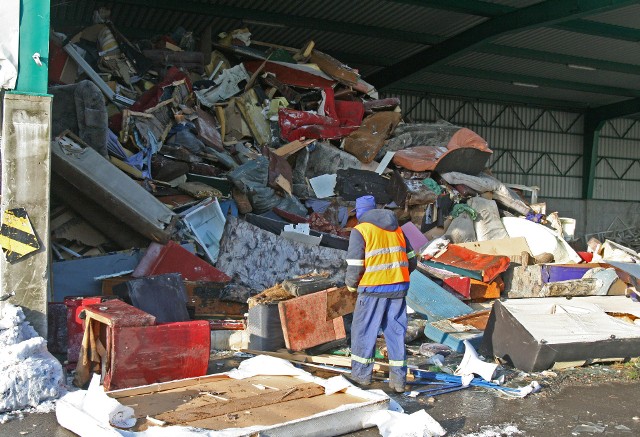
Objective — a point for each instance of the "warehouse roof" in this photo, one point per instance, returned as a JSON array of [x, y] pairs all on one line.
[[573, 54]]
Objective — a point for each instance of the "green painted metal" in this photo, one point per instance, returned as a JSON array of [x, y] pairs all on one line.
[[34, 38], [559, 58], [546, 13], [25, 93], [285, 20], [546, 175], [500, 149], [616, 110], [537, 80], [471, 7], [421, 89], [516, 129], [493, 122], [592, 127], [500, 153], [601, 29]]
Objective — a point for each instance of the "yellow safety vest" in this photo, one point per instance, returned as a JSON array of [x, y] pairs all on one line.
[[385, 258]]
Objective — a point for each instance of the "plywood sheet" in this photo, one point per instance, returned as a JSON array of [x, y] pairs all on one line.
[[304, 322], [209, 393]]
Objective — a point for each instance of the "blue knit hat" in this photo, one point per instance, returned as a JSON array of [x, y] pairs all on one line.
[[364, 204]]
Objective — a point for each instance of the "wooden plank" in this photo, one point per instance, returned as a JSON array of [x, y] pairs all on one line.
[[292, 147], [332, 360], [117, 313], [283, 183], [335, 68], [304, 322], [184, 416], [478, 320], [340, 302], [164, 386]]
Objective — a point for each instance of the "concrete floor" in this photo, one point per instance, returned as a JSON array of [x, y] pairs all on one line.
[[609, 406]]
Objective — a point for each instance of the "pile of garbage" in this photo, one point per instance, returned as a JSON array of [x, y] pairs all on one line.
[[248, 156], [212, 191]]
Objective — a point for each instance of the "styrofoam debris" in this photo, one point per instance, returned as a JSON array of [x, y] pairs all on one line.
[[393, 424], [105, 409], [265, 365], [335, 384]]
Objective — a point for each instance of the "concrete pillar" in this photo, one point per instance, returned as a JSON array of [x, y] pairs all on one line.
[[26, 170]]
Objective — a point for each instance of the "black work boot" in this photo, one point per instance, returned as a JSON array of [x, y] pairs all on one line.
[[396, 384], [359, 382]]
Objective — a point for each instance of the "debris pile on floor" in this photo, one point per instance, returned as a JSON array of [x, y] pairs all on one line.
[[204, 200]]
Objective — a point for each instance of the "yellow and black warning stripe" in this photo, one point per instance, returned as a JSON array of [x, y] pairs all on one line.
[[17, 237]]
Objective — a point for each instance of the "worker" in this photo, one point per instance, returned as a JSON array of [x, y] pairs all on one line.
[[379, 261]]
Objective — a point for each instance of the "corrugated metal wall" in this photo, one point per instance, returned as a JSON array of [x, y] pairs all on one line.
[[618, 167], [542, 147]]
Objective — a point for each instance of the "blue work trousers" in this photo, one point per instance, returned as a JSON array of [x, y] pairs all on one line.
[[371, 314]]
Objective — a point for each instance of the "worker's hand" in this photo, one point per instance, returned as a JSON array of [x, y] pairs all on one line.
[[352, 289]]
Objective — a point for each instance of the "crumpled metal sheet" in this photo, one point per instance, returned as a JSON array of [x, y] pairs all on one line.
[[259, 259], [226, 86]]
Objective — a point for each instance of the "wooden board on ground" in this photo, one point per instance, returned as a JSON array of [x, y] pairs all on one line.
[[331, 360], [195, 405], [304, 322]]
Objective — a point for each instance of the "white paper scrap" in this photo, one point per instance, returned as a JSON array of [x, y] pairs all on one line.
[[324, 185]]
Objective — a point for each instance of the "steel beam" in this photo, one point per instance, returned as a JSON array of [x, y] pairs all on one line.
[[592, 127], [593, 121], [601, 29], [535, 80], [285, 20], [559, 58], [546, 13], [33, 58], [470, 7], [420, 89]]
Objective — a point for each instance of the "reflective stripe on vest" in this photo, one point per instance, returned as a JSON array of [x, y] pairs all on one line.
[[385, 256]]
